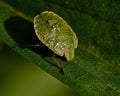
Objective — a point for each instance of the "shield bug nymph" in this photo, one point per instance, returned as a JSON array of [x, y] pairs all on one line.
[[55, 33]]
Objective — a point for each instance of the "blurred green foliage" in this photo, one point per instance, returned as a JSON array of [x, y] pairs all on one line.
[[19, 77]]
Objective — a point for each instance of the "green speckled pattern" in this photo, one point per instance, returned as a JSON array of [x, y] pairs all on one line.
[[54, 32]]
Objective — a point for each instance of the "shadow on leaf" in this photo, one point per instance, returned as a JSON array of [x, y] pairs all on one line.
[[22, 31]]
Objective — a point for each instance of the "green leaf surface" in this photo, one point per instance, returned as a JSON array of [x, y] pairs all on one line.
[[95, 70]]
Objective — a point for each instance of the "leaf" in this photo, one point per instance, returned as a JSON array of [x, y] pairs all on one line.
[[95, 70]]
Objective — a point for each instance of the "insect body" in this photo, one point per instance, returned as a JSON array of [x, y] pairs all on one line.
[[54, 32]]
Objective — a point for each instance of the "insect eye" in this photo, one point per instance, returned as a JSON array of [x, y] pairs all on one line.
[[48, 21], [53, 26]]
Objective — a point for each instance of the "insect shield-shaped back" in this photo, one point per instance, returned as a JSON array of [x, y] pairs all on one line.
[[54, 32]]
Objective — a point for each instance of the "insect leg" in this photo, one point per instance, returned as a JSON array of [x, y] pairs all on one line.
[[58, 64], [27, 45]]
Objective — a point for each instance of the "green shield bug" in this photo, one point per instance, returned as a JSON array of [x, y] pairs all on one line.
[[55, 33]]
